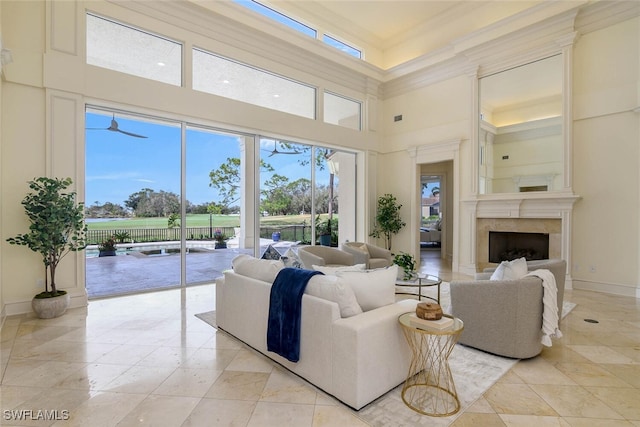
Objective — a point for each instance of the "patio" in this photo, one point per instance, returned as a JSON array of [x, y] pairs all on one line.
[[136, 272]]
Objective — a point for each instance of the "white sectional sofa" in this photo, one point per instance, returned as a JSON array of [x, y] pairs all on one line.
[[355, 359]]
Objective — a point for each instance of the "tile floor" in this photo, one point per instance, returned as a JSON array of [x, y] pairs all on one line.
[[146, 360]]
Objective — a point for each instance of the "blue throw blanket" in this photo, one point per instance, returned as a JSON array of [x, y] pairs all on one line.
[[285, 307]]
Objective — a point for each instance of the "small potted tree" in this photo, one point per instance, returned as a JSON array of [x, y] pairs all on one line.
[[388, 220], [57, 228]]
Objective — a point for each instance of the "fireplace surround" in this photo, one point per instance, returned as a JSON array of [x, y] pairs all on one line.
[[543, 213]]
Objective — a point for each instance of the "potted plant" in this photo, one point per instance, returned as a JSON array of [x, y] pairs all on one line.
[[221, 240], [408, 264], [107, 247], [388, 220], [57, 228], [323, 230]]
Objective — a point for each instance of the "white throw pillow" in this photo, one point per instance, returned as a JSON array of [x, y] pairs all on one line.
[[510, 270], [333, 270], [373, 288], [259, 269], [328, 287]]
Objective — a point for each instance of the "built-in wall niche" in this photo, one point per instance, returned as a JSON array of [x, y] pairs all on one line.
[[520, 135]]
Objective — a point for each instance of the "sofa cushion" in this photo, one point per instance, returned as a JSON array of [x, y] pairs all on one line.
[[332, 270], [259, 269], [328, 287], [510, 270], [373, 288]]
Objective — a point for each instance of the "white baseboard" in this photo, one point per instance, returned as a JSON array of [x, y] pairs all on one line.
[[608, 288]]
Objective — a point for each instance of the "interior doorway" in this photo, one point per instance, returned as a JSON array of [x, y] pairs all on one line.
[[430, 212]]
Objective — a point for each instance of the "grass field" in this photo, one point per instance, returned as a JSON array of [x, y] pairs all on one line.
[[200, 220]]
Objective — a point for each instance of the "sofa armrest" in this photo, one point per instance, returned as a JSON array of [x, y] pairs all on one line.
[[371, 353]]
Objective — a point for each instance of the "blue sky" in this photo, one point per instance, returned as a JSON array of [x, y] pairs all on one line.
[[119, 165]]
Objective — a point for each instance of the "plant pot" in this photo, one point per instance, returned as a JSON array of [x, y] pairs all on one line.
[[106, 253], [325, 240], [275, 236], [48, 308], [221, 245]]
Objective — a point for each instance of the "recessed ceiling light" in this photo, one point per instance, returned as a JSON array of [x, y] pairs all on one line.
[[276, 96], [161, 64], [226, 82]]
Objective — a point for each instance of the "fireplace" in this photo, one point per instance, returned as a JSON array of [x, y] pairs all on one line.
[[550, 229], [507, 246]]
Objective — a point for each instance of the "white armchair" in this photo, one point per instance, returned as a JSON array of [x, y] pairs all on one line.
[[323, 255], [370, 255]]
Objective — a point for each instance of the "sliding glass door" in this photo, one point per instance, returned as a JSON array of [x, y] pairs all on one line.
[[179, 201]]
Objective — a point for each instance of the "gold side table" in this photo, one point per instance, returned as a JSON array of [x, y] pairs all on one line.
[[429, 388]]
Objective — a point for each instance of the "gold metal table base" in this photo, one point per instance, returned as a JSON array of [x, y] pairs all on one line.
[[429, 388]]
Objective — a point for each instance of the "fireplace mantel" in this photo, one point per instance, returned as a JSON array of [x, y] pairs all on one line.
[[533, 212], [522, 205]]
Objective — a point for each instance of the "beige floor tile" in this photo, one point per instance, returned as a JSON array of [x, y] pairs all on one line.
[[590, 422], [517, 399], [92, 376], [532, 421], [165, 411], [473, 420], [284, 387], [271, 414], [590, 374], [575, 401], [127, 352], [601, 354], [250, 361], [188, 382], [210, 358], [220, 413], [238, 385], [630, 374], [330, 416], [539, 371], [167, 357], [624, 401], [481, 406], [47, 374], [139, 379], [102, 409]]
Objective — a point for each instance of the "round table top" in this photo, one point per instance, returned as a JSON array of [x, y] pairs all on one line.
[[455, 328]]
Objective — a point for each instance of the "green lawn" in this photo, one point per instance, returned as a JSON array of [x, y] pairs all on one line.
[[199, 220]]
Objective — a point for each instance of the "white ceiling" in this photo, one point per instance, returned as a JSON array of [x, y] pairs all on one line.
[[383, 18]]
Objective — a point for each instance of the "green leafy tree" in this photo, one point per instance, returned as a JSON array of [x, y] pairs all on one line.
[[226, 179], [388, 220], [57, 226]]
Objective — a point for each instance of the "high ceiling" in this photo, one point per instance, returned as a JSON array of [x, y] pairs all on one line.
[[384, 19]]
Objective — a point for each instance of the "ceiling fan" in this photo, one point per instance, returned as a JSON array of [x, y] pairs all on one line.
[[114, 128], [276, 151]]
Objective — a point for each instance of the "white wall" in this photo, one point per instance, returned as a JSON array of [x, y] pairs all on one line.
[[607, 159]]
